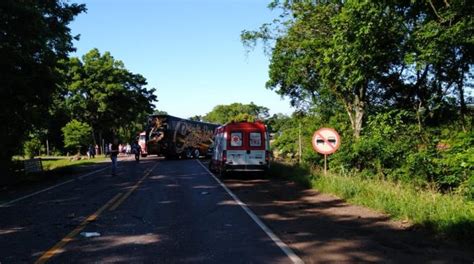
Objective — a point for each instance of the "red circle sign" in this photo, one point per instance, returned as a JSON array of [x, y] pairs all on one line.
[[326, 140]]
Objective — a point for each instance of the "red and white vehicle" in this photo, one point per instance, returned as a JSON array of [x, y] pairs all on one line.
[[241, 146], [142, 143]]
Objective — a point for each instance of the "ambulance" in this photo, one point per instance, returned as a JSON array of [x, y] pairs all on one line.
[[241, 146]]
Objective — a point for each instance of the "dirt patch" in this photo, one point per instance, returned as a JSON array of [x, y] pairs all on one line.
[[322, 228]]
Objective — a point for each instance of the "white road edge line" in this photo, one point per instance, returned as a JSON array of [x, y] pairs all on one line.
[[52, 187], [284, 247]]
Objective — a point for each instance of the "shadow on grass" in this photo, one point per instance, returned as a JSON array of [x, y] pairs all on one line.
[[300, 174], [460, 231]]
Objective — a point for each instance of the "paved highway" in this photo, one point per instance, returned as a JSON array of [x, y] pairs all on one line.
[[154, 211]]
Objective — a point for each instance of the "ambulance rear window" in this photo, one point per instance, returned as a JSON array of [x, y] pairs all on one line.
[[255, 139], [236, 139]]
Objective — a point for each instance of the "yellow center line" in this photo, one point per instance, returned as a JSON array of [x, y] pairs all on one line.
[[56, 249], [120, 201], [123, 198]]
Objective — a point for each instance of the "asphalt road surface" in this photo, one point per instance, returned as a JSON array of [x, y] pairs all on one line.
[[175, 211], [154, 211]]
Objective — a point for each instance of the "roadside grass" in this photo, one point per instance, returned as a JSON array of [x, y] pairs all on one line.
[[443, 215], [63, 163], [53, 168]]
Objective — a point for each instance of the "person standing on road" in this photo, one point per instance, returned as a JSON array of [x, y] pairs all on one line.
[[128, 149], [114, 151], [91, 152], [107, 149], [136, 150]]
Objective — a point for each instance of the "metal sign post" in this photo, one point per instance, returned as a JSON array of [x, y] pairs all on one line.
[[326, 141], [325, 163]]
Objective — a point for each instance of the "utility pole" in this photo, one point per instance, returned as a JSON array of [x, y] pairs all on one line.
[[47, 147], [299, 142]]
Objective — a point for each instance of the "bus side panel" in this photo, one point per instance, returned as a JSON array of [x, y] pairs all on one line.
[[172, 136]]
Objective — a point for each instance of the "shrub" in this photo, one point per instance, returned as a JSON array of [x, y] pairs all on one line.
[[32, 147], [456, 163], [382, 149]]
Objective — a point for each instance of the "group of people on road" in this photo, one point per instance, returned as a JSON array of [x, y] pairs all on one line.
[[115, 148]]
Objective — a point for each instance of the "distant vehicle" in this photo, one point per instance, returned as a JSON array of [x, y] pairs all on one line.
[[142, 143], [174, 137], [241, 146]]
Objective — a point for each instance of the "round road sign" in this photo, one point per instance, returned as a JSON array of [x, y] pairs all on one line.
[[326, 140]]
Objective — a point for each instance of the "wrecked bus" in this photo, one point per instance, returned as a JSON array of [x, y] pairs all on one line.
[[174, 137]]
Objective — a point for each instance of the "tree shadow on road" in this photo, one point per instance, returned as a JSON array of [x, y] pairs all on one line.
[[324, 228]]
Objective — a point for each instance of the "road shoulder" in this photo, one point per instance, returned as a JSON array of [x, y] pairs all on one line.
[[323, 228]]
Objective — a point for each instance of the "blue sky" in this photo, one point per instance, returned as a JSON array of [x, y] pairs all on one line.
[[190, 51]]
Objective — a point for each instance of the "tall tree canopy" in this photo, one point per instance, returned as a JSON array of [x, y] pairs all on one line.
[[100, 91], [409, 54], [222, 114], [397, 75], [34, 35]]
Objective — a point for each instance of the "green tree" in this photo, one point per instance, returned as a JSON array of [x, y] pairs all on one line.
[[222, 114], [276, 122], [412, 55], [159, 112], [401, 71], [100, 91], [34, 35], [196, 118], [77, 135], [434, 72], [333, 50]]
